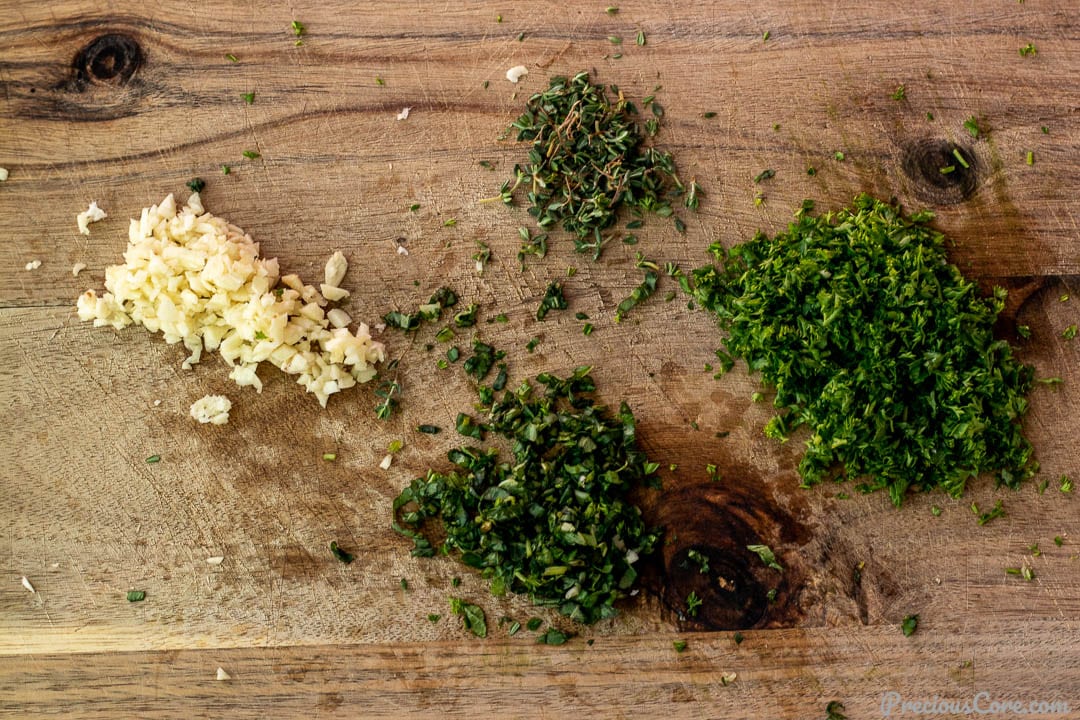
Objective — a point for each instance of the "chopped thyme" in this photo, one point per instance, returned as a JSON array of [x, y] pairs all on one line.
[[909, 624], [231, 58], [972, 126], [153, 459], [249, 98], [766, 554], [900, 93], [342, 555], [553, 300], [136, 595], [764, 175], [250, 154], [196, 185], [679, 645], [693, 604]]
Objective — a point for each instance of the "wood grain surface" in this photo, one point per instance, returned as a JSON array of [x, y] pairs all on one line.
[[124, 102]]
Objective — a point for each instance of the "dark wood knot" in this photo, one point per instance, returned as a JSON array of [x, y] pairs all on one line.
[[942, 172], [110, 59]]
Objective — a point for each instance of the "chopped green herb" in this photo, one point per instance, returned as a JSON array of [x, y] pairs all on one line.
[[196, 185], [1045, 130], [693, 604], [909, 625], [611, 10], [947, 169], [640, 37], [250, 154], [225, 169], [615, 39], [455, 581], [1027, 573], [960, 158], [486, 164], [838, 156], [450, 222], [935, 510], [531, 345], [738, 638], [342, 555], [153, 459], [701, 561], [136, 595], [389, 392], [1058, 540], [467, 427], [1034, 549], [766, 554], [394, 446], [1040, 488], [885, 344], [639, 294], [514, 628], [298, 28], [531, 245], [444, 335], [984, 517], [231, 58], [835, 711], [414, 207], [765, 36], [404, 584], [811, 171], [532, 525], [972, 126], [587, 329], [249, 98], [553, 300], [1028, 50], [929, 116], [329, 457], [679, 645], [587, 160], [764, 175], [534, 624], [1065, 484], [498, 18], [899, 93], [1030, 158], [472, 616], [708, 115], [483, 359], [429, 429], [552, 636], [521, 36], [434, 617]]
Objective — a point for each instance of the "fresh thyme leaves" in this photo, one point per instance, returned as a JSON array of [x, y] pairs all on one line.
[[482, 360], [196, 185], [765, 175], [909, 625], [553, 521], [766, 554], [136, 595], [679, 645], [250, 154], [342, 555], [879, 346], [472, 616], [693, 604], [553, 300], [431, 311], [1028, 50], [972, 126], [153, 459], [588, 159], [531, 245], [984, 517], [388, 392], [900, 93], [638, 295]]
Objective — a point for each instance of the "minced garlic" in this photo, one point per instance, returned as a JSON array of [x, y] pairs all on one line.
[[199, 280]]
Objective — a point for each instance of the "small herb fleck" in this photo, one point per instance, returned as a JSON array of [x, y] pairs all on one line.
[[835, 711], [693, 604], [251, 154], [225, 169], [231, 58], [429, 429], [153, 459], [972, 126], [765, 175], [196, 185], [641, 37], [136, 595], [766, 554], [909, 625], [298, 28], [1028, 50], [342, 555], [679, 645], [899, 93], [329, 457], [249, 98]]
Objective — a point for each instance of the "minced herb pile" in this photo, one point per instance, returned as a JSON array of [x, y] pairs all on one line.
[[878, 345], [588, 158], [555, 521]]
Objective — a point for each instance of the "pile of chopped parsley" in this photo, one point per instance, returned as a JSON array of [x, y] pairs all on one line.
[[588, 158], [877, 344], [555, 521]]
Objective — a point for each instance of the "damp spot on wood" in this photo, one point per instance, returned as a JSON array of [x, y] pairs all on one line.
[[110, 59]]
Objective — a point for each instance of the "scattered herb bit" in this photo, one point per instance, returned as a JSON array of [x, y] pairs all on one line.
[[1040, 488], [533, 525], [455, 581], [899, 93], [587, 329], [250, 154], [443, 298], [708, 115], [839, 156], [1064, 297], [1066, 484], [764, 175], [404, 584], [947, 169], [429, 429], [534, 624], [552, 636], [394, 446], [1069, 333], [766, 554], [225, 169], [466, 426], [588, 159], [1027, 573], [984, 517], [450, 222], [1028, 51], [414, 207], [611, 10], [453, 353], [935, 511], [329, 457], [298, 28], [929, 116], [521, 36], [765, 36], [911, 339], [909, 625], [972, 126], [679, 645], [531, 345], [249, 98], [514, 628], [960, 158], [615, 39], [342, 555], [1030, 158], [482, 360], [471, 615], [553, 300], [638, 295], [444, 335], [1034, 549], [153, 459], [701, 561], [771, 595], [1045, 130], [136, 595], [835, 711], [231, 58], [640, 37], [811, 171], [693, 604], [389, 392], [498, 18], [196, 185], [1058, 540], [467, 317], [434, 618]]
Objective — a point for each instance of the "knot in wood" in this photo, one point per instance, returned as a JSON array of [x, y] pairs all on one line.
[[942, 172], [110, 59]]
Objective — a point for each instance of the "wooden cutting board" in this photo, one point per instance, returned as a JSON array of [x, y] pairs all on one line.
[[124, 104]]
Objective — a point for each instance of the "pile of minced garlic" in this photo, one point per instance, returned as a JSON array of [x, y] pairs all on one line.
[[199, 280]]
